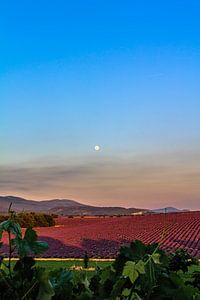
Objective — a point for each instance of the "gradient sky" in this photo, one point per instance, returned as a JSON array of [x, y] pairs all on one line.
[[121, 74]]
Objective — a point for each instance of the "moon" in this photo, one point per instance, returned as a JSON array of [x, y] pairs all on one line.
[[97, 148]]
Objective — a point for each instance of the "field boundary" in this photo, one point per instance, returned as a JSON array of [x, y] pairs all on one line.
[[68, 259], [65, 259]]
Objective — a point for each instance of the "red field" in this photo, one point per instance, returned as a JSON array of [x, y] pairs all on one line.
[[102, 237]]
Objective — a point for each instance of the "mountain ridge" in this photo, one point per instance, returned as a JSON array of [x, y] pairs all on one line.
[[169, 209], [72, 207], [62, 206]]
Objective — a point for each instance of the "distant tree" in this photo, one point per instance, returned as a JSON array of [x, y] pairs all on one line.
[[31, 219]]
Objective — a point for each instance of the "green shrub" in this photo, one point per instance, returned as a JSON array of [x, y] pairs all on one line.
[[181, 260], [24, 281], [32, 219]]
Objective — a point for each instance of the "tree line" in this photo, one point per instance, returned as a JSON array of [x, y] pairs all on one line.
[[31, 219]]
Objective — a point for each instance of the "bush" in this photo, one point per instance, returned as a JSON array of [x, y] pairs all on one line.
[[181, 260], [32, 219], [25, 281]]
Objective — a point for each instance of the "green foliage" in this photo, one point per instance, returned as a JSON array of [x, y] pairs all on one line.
[[138, 251], [24, 281], [61, 281], [141, 272], [32, 219], [181, 260], [195, 282], [29, 244], [132, 270], [46, 290]]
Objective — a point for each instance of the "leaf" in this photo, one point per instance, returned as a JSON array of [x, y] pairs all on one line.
[[29, 243], [62, 283], [130, 271], [46, 290], [5, 225], [10, 225], [39, 247], [22, 247], [85, 281], [135, 296], [35, 246], [30, 235], [107, 273], [118, 287], [126, 292], [156, 258], [140, 267]]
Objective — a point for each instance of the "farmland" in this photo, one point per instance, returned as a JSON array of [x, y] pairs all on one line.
[[102, 237], [143, 271]]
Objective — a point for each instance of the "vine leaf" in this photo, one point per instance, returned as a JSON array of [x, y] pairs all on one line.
[[130, 271]]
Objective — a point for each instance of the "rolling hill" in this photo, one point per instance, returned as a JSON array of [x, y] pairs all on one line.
[[169, 210], [62, 207]]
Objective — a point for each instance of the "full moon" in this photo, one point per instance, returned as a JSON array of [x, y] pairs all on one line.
[[97, 148]]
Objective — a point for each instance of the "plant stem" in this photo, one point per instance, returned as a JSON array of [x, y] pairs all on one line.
[[10, 253], [29, 290]]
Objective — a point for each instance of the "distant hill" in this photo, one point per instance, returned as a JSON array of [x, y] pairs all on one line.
[[88, 210], [169, 210], [62, 207], [21, 204]]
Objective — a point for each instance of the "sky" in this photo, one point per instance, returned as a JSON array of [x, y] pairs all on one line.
[[124, 75]]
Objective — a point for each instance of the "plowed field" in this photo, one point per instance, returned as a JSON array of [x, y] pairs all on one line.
[[102, 237]]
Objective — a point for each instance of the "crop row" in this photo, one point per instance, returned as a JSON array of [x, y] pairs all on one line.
[[102, 237]]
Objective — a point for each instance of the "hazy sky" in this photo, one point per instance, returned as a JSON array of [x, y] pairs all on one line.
[[124, 75]]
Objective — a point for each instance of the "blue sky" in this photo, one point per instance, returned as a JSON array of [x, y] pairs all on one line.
[[124, 75]]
